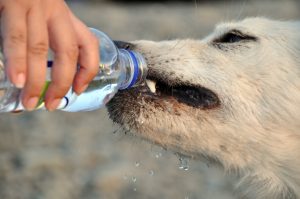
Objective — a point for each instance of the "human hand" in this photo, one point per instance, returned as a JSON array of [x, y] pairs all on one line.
[[28, 29]]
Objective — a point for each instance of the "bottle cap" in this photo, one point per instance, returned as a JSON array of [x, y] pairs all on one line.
[[138, 67]]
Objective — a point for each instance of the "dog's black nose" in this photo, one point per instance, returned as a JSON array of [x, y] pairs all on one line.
[[124, 45]]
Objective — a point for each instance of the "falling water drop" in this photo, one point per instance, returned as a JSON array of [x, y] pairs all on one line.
[[133, 179], [151, 173], [183, 163], [158, 155], [134, 189], [137, 164]]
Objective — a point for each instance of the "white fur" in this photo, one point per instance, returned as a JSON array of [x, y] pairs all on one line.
[[255, 132]]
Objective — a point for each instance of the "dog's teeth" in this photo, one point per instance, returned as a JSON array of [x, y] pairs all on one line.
[[152, 85]]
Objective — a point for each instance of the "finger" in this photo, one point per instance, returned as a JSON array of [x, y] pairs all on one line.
[[14, 32], [63, 43], [37, 50], [88, 55]]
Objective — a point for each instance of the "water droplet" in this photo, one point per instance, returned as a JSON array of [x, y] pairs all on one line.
[[151, 173], [134, 189], [158, 155], [183, 163], [133, 179], [137, 164]]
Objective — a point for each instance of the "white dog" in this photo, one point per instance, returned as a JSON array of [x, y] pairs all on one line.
[[232, 98]]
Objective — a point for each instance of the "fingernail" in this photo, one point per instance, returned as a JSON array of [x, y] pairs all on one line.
[[52, 105], [20, 80], [31, 103], [82, 89]]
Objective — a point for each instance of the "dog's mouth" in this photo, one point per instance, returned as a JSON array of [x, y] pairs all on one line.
[[191, 95], [162, 88]]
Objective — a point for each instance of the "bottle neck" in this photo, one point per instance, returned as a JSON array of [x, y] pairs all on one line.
[[132, 64], [134, 69]]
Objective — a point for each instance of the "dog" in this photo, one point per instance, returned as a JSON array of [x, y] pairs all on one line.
[[232, 99]]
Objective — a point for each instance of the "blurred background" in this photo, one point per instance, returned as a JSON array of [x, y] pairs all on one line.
[[79, 155]]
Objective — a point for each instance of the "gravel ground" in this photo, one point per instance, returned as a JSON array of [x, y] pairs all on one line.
[[73, 156]]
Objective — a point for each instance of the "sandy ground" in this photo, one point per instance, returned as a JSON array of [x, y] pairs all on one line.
[[71, 156]]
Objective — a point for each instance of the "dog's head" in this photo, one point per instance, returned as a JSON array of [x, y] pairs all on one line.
[[233, 97]]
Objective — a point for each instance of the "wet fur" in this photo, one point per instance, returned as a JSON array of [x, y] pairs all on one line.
[[255, 131]]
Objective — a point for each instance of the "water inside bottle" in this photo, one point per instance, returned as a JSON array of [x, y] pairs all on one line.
[[98, 93], [3, 87], [2, 95], [101, 82], [2, 92], [8, 94]]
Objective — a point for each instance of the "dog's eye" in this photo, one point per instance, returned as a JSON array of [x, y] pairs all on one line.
[[234, 37], [231, 38]]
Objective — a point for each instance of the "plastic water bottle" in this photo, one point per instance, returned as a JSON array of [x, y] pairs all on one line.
[[118, 69]]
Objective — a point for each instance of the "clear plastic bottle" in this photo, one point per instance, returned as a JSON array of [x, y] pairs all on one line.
[[118, 69]]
